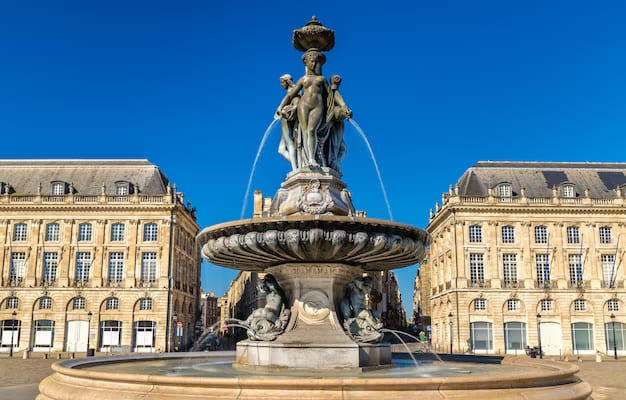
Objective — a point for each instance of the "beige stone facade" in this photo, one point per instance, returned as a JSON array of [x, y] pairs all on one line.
[[210, 311], [527, 249], [99, 246]]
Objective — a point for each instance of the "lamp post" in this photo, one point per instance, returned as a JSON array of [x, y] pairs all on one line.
[[450, 323], [614, 342], [539, 334], [13, 314], [174, 318], [89, 315]]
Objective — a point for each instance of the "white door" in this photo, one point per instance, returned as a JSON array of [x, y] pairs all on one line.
[[551, 338], [76, 336]]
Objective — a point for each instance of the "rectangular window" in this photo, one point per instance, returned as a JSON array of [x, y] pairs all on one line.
[[113, 303], [116, 268], [543, 269], [580, 305], [509, 267], [481, 336], [78, 303], [568, 191], [508, 234], [541, 234], [52, 232], [19, 233], [475, 234], [83, 266], [505, 190], [614, 334], [110, 333], [148, 267], [480, 305], [513, 305], [573, 235], [13, 303], [50, 266], [477, 269], [515, 335], [145, 304], [121, 189], [84, 232], [150, 232], [582, 336], [575, 270], [45, 303], [605, 235], [117, 232], [546, 305], [18, 267], [613, 305], [608, 270], [58, 189]]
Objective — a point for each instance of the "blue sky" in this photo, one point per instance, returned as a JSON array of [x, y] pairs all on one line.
[[192, 85]]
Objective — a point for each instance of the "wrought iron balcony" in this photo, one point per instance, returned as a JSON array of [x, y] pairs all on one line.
[[476, 283], [508, 283], [545, 284]]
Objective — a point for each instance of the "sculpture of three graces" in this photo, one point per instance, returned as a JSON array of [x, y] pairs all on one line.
[[312, 114]]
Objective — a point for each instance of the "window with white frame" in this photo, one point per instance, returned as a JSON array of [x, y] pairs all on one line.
[[515, 335], [78, 303], [541, 234], [150, 232], [19, 232], [504, 190], [580, 305], [568, 191], [575, 269], [83, 266], [582, 336], [608, 270], [477, 269], [546, 305], [117, 232], [52, 232], [543, 268], [475, 234], [145, 303], [605, 234], [614, 334], [110, 333], [58, 188], [45, 303], [573, 235], [480, 305], [509, 268], [121, 188], [84, 232], [481, 336], [18, 267], [513, 305], [612, 305], [116, 267], [50, 266], [13, 303], [508, 234], [112, 303], [148, 267]]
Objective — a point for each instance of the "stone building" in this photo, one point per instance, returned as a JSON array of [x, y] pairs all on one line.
[[389, 305], [210, 311], [523, 251], [98, 251], [421, 297]]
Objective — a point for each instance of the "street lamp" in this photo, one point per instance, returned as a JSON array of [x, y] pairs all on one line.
[[13, 314], [450, 322], [89, 315], [614, 342], [174, 318], [539, 334]]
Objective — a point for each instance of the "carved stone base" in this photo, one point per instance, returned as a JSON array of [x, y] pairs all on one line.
[[312, 192], [314, 337]]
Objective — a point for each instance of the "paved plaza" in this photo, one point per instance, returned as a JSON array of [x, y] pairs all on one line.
[[19, 378]]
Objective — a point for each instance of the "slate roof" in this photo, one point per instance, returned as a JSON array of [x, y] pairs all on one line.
[[87, 176], [538, 178]]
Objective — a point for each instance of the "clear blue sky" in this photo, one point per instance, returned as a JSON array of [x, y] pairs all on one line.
[[191, 86]]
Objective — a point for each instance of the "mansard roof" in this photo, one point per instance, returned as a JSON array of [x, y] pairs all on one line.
[[86, 176], [538, 178]]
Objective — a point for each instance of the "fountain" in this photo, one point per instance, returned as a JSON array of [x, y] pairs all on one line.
[[315, 337]]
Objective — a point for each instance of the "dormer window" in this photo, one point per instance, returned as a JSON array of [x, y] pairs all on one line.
[[122, 188], [567, 191], [504, 190], [58, 188]]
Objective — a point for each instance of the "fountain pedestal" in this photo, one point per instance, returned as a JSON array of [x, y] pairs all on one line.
[[314, 338]]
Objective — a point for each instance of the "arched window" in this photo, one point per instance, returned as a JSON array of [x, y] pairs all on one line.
[[480, 305], [122, 188], [568, 191], [58, 188], [45, 303], [145, 303], [12, 303], [78, 303], [112, 303]]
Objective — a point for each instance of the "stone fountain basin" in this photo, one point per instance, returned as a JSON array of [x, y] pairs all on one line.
[[259, 243], [515, 379]]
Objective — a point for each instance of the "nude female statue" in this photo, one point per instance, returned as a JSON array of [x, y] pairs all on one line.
[[312, 104]]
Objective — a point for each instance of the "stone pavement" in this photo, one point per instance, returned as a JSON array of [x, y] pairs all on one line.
[[19, 378]]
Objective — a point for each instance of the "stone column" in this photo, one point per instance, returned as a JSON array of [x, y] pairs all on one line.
[[98, 263], [5, 260], [33, 274], [65, 255], [133, 267]]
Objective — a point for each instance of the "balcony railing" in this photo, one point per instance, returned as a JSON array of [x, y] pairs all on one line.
[[578, 284], [544, 284], [510, 283], [16, 282], [80, 282], [476, 283], [612, 284], [113, 282], [87, 199], [147, 283]]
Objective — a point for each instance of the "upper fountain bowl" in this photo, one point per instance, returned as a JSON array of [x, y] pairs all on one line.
[[260, 243]]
